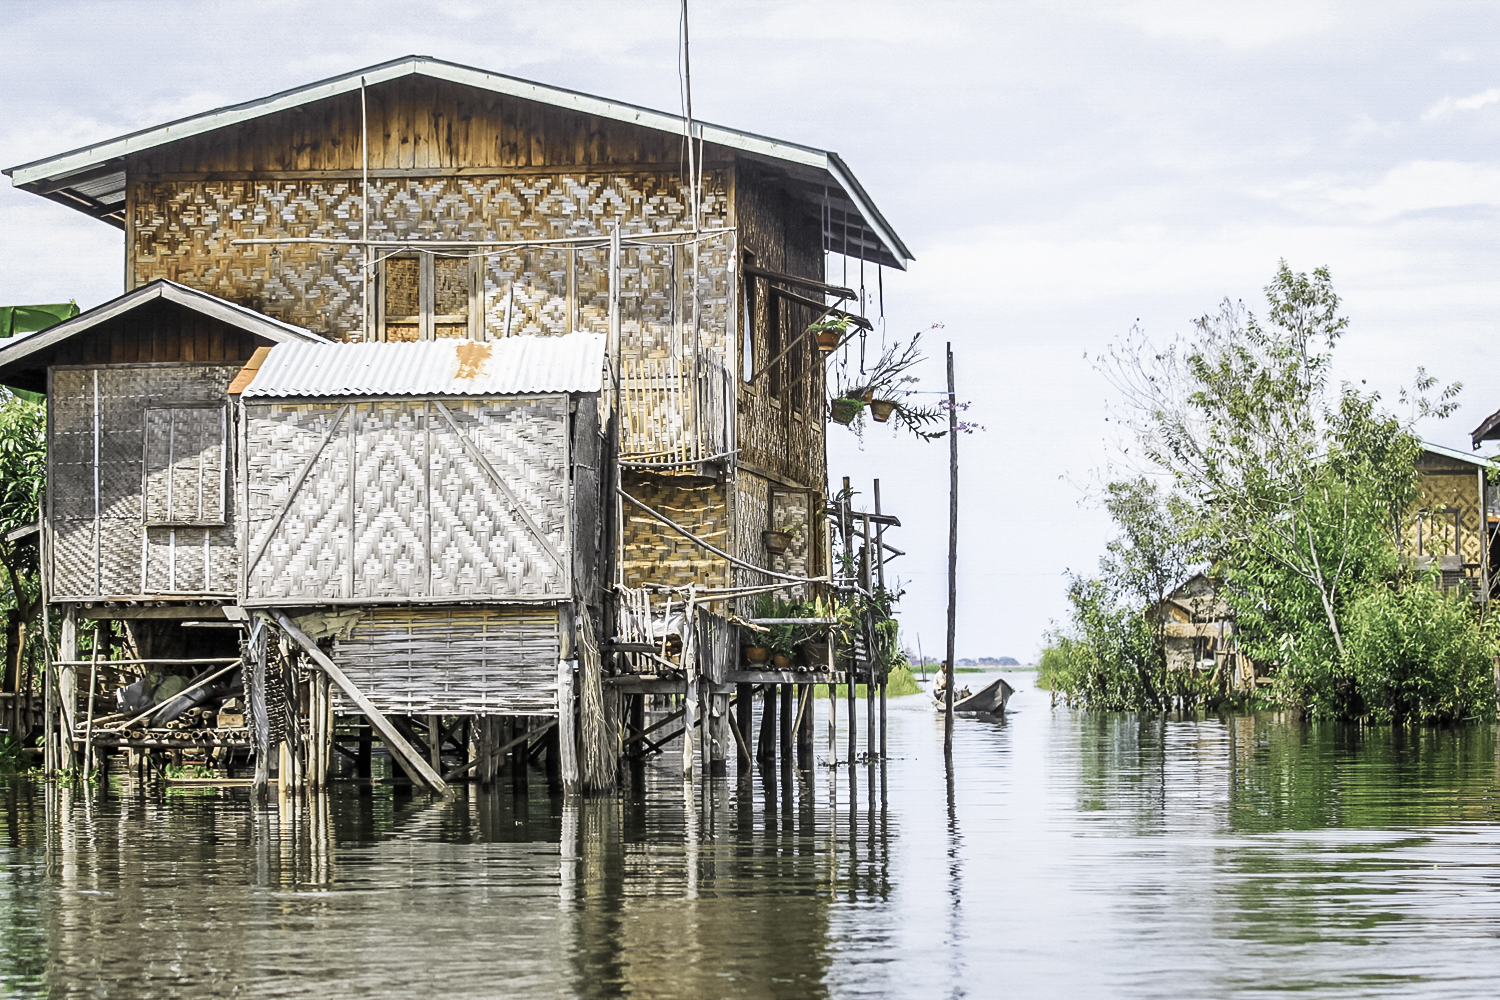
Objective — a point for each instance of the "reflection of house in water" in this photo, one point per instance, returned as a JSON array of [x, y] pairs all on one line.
[[1200, 633], [1453, 530]]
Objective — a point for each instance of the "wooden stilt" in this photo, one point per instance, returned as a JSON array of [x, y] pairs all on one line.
[[520, 729], [805, 729], [765, 749], [744, 709], [67, 686], [787, 720], [554, 760], [567, 722], [882, 717], [851, 674], [435, 742]]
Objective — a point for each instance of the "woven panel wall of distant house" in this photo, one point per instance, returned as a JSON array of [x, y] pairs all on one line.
[[453, 660]]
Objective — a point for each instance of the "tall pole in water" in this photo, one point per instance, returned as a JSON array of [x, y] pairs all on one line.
[[952, 556]]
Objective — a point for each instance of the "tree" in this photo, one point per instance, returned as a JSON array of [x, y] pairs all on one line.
[[1295, 489], [23, 463]]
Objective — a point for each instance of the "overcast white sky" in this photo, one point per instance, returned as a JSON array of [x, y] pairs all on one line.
[[1060, 170]]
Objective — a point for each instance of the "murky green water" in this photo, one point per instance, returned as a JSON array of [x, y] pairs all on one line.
[[1067, 856]]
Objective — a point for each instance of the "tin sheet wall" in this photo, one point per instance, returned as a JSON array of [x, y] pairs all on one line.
[[105, 425], [407, 500], [453, 660]]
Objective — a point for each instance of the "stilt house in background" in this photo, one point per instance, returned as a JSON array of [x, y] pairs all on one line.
[[1453, 530], [533, 361]]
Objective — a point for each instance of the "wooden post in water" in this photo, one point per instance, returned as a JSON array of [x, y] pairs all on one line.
[[952, 555], [743, 712], [787, 719], [880, 582], [765, 748]]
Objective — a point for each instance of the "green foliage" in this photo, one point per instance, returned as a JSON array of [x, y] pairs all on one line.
[[1107, 656], [1296, 495], [1418, 654]]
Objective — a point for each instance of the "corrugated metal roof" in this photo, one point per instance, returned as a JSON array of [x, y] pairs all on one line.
[[574, 363]]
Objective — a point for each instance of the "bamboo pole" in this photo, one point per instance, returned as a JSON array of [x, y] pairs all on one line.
[[952, 556]]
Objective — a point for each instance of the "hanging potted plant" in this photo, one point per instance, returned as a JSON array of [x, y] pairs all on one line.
[[882, 386], [831, 332], [844, 409], [778, 539]]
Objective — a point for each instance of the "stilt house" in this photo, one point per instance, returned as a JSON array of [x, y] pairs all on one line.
[[442, 387]]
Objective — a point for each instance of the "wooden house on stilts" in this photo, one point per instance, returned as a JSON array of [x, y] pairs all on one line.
[[442, 410]]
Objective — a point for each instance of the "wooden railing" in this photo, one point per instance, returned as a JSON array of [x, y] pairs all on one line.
[[675, 411]]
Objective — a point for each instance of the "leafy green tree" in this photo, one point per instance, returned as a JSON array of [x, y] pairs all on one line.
[[23, 463]]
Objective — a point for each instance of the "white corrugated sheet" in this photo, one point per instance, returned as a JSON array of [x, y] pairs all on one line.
[[574, 363]]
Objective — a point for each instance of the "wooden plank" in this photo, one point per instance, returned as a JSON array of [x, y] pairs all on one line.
[[406, 756]]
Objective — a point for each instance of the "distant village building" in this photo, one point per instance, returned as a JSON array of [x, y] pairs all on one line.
[[1199, 632], [1452, 529], [462, 396]]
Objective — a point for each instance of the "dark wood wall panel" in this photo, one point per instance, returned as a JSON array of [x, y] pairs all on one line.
[[160, 332], [416, 123]]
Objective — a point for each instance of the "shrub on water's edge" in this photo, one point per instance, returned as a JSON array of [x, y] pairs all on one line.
[[1420, 655]]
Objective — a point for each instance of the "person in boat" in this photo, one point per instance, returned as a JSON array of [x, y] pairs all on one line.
[[941, 684]]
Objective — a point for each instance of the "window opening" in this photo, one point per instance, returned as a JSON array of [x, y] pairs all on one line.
[[747, 336], [426, 297]]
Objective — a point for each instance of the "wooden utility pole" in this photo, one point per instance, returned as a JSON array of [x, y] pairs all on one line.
[[952, 555]]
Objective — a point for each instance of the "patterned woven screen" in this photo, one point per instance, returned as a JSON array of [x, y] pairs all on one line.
[[454, 660]]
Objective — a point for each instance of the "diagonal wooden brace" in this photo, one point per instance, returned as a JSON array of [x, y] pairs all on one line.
[[411, 761]]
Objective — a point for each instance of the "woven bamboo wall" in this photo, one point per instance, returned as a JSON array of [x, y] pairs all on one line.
[[424, 520], [453, 660], [655, 553], [181, 229], [1442, 490], [119, 555]]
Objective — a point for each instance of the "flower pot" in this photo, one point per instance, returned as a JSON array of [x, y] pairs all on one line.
[[776, 541], [815, 655], [828, 340], [781, 661], [844, 410], [881, 409], [757, 654]]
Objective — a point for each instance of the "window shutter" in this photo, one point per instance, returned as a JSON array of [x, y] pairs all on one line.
[[185, 452]]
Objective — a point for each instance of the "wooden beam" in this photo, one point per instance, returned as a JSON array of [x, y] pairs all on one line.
[[405, 755], [792, 279]]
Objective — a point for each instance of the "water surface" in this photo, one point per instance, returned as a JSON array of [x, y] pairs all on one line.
[[1063, 855]]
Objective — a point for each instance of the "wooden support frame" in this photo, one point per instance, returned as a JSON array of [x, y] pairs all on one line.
[[405, 755]]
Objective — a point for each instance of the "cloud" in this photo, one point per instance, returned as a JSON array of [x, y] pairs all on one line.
[[1237, 25], [1473, 102], [1418, 186]]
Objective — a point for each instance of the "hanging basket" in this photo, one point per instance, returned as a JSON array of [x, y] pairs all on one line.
[[881, 409], [777, 542], [844, 410], [828, 340]]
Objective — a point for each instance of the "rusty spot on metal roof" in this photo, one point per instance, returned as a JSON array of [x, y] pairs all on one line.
[[472, 357]]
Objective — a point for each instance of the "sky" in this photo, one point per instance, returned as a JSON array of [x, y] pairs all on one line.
[[1061, 172]]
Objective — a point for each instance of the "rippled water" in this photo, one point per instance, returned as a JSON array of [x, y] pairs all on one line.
[[1066, 855]]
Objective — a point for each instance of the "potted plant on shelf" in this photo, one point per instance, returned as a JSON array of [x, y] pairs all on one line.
[[782, 638], [831, 332]]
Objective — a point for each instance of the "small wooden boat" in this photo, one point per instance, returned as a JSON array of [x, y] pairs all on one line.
[[989, 700]]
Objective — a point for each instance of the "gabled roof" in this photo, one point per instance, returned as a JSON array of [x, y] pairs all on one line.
[[92, 178], [1489, 430], [15, 351], [1459, 456], [510, 366]]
